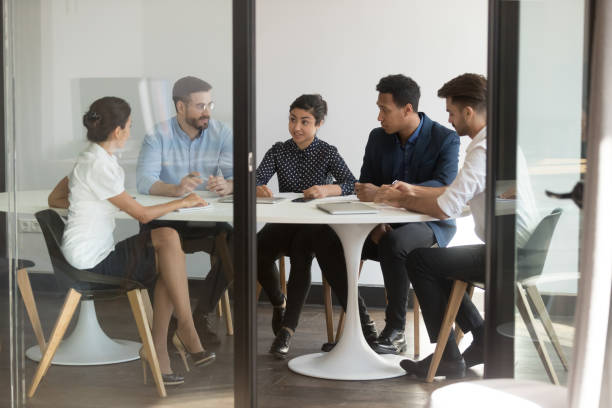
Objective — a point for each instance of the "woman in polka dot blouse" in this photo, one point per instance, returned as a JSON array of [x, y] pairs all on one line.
[[303, 164]]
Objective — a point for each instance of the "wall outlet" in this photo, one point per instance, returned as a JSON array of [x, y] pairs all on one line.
[[29, 226]]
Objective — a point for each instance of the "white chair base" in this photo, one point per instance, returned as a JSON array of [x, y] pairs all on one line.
[[500, 393], [88, 344]]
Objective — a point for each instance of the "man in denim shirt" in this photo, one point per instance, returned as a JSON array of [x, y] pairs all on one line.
[[192, 151]]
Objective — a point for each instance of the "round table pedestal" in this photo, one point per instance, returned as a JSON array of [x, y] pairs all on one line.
[[352, 358], [88, 344]]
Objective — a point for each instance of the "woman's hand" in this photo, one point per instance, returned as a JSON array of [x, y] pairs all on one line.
[[263, 191], [322, 191], [193, 200]]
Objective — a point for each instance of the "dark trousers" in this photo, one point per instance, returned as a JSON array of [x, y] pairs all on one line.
[[196, 237], [274, 240], [392, 252], [328, 249], [432, 270]]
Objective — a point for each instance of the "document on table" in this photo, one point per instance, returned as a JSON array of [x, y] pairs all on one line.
[[195, 209]]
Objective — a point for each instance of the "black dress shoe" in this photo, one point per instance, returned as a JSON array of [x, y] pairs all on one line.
[[280, 345], [390, 341], [203, 327], [369, 331], [446, 368], [173, 379], [473, 355], [278, 315]]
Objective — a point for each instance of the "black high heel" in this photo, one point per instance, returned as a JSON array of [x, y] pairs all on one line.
[[168, 379], [199, 359]]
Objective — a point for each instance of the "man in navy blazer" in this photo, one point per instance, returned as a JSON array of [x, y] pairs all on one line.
[[408, 147]]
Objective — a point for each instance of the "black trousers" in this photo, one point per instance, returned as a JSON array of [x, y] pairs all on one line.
[[432, 271], [200, 236], [274, 240], [392, 252]]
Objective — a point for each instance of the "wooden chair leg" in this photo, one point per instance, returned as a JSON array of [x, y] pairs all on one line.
[[523, 306], [225, 255], [228, 314], [258, 291], [23, 281], [458, 332], [536, 299], [219, 311], [148, 307], [70, 304], [329, 311], [283, 274], [416, 312], [452, 308], [340, 328], [140, 316]]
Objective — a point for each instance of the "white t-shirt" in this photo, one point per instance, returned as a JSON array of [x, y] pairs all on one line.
[[469, 188], [88, 235]]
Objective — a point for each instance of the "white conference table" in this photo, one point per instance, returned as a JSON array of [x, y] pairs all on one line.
[[352, 358]]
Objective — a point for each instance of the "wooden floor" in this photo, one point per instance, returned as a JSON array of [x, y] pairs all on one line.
[[120, 385]]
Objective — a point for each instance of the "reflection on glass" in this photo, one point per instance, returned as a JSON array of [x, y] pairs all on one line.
[[168, 149], [549, 134]]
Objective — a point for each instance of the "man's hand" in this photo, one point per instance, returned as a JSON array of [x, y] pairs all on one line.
[[188, 183], [402, 186], [387, 194], [378, 232], [263, 191], [193, 200], [316, 192], [366, 191], [219, 185]]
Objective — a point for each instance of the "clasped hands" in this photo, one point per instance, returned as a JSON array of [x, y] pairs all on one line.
[[217, 184], [391, 194]]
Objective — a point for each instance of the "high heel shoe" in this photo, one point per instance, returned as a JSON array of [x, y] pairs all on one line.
[[168, 379], [200, 358]]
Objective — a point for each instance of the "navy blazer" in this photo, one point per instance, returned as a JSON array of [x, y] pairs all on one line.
[[434, 163]]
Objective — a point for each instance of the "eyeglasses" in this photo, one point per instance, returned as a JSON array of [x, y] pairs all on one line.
[[203, 106]]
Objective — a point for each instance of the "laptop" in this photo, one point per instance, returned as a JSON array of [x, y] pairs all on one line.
[[260, 200], [347, 207]]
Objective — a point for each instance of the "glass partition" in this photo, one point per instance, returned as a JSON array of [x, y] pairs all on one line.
[[171, 62], [550, 158]]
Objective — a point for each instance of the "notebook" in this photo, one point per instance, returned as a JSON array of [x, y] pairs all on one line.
[[347, 207], [260, 200], [195, 209]]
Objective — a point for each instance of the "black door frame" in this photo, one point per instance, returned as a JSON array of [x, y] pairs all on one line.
[[245, 253]]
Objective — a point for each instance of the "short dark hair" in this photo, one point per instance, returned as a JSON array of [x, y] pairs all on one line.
[[403, 89], [104, 115], [185, 86], [313, 103], [467, 90]]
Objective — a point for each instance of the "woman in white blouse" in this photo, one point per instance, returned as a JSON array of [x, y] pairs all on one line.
[[153, 258]]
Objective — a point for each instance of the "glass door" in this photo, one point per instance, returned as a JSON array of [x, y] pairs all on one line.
[[535, 237]]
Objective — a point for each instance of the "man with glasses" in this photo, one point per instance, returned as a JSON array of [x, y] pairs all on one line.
[[191, 151]]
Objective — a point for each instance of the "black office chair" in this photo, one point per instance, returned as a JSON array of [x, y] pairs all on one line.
[[82, 284], [530, 263]]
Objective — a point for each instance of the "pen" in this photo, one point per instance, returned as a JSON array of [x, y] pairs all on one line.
[[394, 181]]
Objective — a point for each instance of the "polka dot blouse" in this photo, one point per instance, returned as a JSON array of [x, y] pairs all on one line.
[[318, 164]]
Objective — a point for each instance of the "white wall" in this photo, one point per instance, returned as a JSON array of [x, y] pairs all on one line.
[[341, 49], [337, 48]]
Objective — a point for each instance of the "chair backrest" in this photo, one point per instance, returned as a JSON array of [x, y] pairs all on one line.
[[532, 256], [52, 227]]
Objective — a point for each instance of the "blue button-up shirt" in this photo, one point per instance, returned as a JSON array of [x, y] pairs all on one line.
[[169, 154], [403, 154]]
